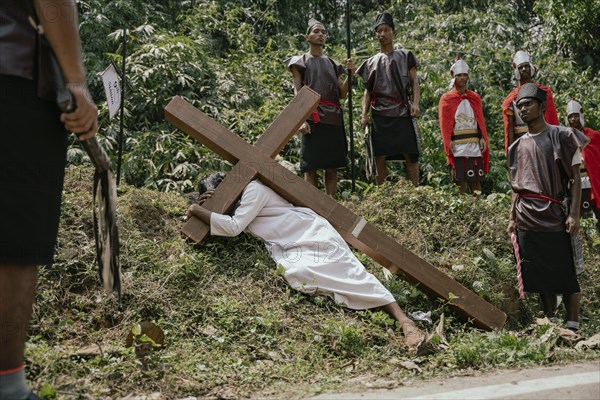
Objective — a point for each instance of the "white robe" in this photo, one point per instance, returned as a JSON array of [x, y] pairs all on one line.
[[314, 256]]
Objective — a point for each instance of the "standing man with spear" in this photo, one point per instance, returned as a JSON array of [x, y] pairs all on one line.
[[390, 78], [324, 143]]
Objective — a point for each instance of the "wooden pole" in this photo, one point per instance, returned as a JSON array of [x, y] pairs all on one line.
[[122, 114], [350, 77]]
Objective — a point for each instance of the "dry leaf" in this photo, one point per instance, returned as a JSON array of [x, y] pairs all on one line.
[[569, 337], [410, 365], [209, 330], [93, 350], [591, 343]]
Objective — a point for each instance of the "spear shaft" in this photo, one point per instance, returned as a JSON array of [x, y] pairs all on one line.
[[350, 77]]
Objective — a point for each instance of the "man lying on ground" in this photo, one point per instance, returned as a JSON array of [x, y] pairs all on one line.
[[314, 256]]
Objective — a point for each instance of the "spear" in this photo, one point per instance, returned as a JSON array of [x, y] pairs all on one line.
[[351, 128]]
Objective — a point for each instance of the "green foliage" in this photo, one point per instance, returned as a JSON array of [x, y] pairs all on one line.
[[47, 392], [475, 350], [463, 236], [226, 58], [168, 160], [571, 30], [344, 339]]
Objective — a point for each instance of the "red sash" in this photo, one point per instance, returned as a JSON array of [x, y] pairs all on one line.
[[315, 114], [374, 99], [539, 196]]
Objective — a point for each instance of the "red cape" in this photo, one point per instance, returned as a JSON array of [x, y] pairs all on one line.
[[591, 156], [446, 112], [550, 115]]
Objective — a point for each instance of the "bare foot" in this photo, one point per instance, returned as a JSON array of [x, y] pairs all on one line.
[[414, 337]]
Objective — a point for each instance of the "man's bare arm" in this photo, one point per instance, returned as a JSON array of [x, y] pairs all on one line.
[[512, 218], [60, 24], [366, 107], [573, 218], [200, 212], [416, 89], [511, 129], [343, 85]]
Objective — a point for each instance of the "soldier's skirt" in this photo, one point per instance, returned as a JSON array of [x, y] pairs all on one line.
[[33, 145], [393, 137], [325, 147], [547, 262], [468, 169]]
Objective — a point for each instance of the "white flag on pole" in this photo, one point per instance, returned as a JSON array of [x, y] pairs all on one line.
[[112, 88]]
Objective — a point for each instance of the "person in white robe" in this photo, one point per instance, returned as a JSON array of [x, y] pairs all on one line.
[[315, 258]]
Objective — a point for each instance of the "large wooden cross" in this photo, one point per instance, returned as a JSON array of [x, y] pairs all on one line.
[[252, 162]]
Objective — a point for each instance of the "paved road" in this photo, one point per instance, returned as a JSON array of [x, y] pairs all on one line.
[[579, 381]]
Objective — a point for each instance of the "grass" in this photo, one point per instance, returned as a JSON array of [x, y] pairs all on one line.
[[233, 327]]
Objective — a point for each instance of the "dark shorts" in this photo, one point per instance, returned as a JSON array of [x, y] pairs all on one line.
[[468, 169], [547, 262], [33, 144], [325, 147], [393, 137]]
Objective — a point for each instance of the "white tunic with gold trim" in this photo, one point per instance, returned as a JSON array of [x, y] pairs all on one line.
[[465, 122]]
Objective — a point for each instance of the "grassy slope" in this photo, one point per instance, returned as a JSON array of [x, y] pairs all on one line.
[[234, 328]]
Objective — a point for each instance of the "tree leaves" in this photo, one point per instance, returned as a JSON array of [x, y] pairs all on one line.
[[225, 57]]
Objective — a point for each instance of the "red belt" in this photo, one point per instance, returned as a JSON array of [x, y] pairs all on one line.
[[315, 114], [539, 196], [374, 97]]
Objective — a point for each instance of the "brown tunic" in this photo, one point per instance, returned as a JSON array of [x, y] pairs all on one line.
[[325, 147], [17, 40], [386, 76], [541, 164], [321, 74]]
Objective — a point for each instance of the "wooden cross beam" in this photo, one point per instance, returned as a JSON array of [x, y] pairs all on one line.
[[270, 143], [257, 161]]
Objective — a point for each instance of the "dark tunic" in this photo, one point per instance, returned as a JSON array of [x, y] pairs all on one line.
[[17, 40], [33, 145], [325, 147], [387, 78], [541, 164]]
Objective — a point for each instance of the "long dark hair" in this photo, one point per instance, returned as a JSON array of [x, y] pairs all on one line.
[[211, 181]]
